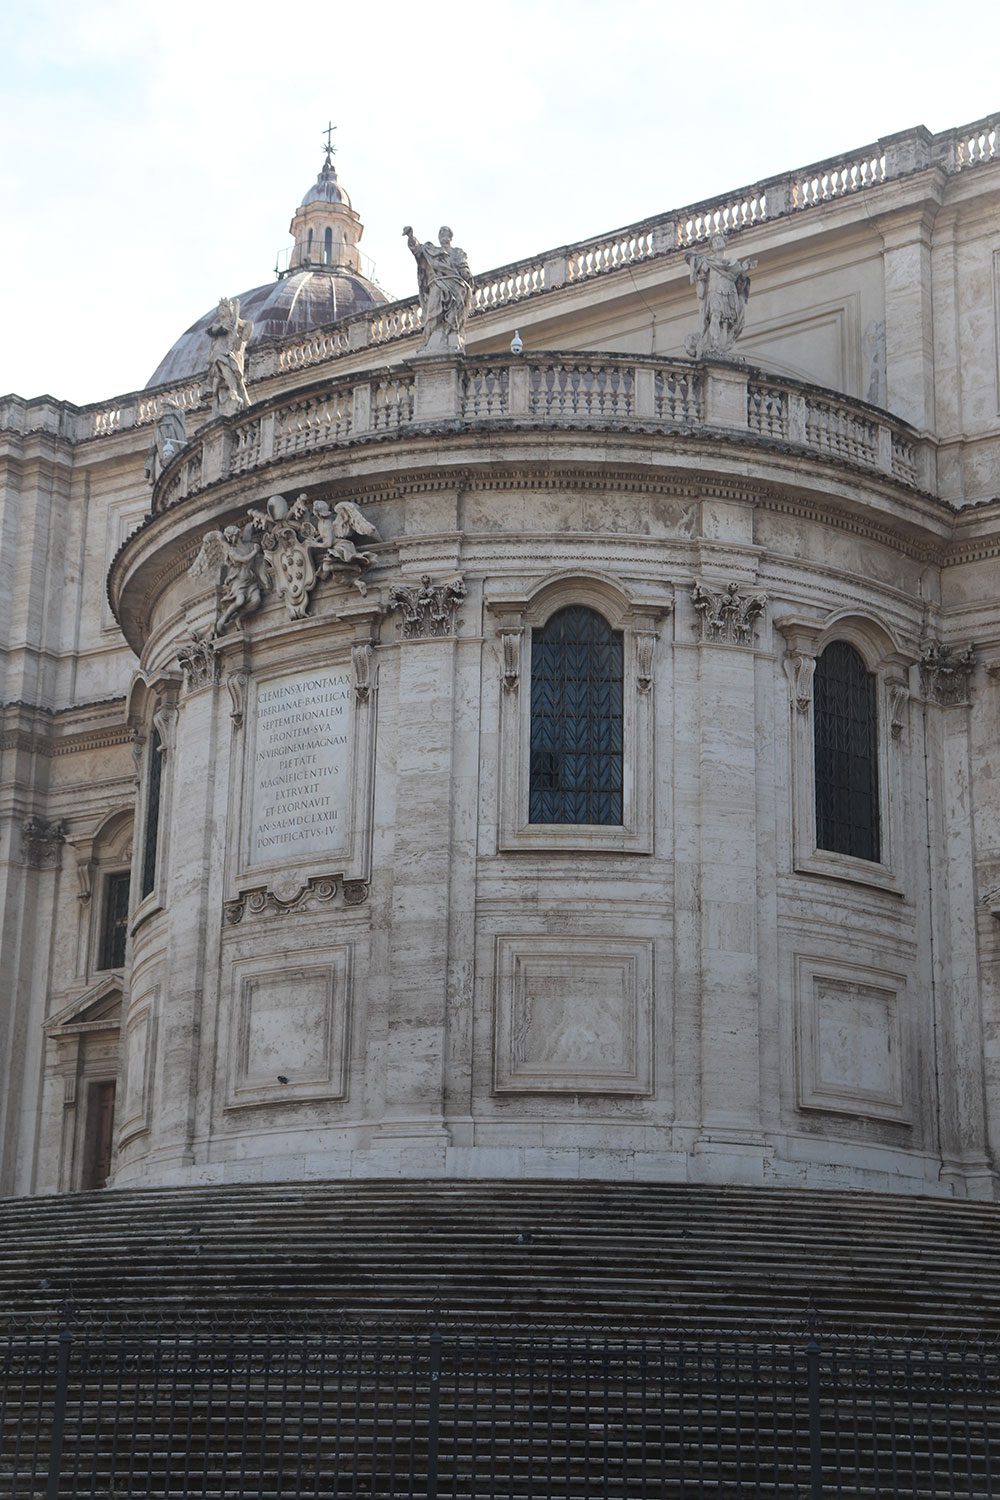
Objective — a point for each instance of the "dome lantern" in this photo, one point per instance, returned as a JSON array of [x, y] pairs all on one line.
[[325, 227]]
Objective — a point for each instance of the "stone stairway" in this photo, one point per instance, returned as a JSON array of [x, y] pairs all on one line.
[[596, 1340], [561, 1252]]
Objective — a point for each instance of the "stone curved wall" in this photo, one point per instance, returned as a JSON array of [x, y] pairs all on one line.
[[423, 983]]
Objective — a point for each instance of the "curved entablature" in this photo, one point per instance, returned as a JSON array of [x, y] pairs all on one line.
[[554, 391]]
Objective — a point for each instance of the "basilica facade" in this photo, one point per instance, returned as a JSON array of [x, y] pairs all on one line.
[[546, 728]]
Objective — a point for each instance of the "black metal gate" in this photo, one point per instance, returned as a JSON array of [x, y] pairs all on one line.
[[263, 1412]]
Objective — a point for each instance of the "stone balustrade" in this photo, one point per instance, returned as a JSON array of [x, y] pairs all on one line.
[[896, 156], [552, 391]]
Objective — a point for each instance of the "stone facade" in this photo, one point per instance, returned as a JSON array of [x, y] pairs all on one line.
[[351, 949]]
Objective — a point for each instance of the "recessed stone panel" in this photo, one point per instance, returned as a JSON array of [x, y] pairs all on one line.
[[573, 1015], [289, 1031], [849, 1039]]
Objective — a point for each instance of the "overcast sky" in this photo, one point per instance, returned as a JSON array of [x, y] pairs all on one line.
[[153, 154]]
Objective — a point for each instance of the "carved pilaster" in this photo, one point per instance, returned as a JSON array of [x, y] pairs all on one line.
[[428, 610], [946, 672], [728, 617]]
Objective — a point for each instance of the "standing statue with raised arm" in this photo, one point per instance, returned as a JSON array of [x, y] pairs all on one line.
[[229, 335], [723, 290], [446, 286]]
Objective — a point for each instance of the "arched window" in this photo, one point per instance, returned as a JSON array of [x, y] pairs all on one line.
[[152, 830], [328, 247], [576, 720], [846, 754], [309, 245]]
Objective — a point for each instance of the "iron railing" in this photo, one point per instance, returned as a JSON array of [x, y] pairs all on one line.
[[265, 1412]]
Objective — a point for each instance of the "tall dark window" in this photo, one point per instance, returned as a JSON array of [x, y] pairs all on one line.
[[114, 921], [155, 774], [576, 720], [846, 734], [328, 247]]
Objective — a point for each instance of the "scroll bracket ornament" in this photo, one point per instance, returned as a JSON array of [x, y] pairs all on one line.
[[510, 654]]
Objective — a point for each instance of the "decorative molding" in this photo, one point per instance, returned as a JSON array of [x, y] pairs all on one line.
[[945, 672], [237, 683], [729, 617], [317, 892], [362, 655], [355, 892], [428, 610], [41, 839], [199, 661]]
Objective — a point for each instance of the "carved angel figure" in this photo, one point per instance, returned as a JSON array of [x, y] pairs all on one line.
[[246, 575], [169, 438], [229, 335], [445, 284], [337, 530], [723, 290]]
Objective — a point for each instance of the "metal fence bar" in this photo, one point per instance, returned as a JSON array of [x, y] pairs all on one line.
[[59, 1415]]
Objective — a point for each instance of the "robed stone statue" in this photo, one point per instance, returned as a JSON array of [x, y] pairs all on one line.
[[723, 290], [229, 334], [446, 286], [169, 438]]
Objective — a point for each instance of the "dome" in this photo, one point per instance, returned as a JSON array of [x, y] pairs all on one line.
[[323, 283], [297, 303]]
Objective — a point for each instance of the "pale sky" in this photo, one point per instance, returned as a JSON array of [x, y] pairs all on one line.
[[153, 153]]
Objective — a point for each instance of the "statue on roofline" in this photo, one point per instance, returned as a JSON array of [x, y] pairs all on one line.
[[169, 438], [229, 335], [723, 290], [446, 287]]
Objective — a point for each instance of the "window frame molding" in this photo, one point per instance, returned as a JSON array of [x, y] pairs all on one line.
[[805, 641], [152, 705], [639, 620]]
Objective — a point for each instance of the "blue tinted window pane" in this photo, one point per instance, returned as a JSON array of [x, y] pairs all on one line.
[[846, 739], [576, 720]]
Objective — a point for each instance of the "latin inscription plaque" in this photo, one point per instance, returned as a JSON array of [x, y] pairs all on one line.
[[302, 766]]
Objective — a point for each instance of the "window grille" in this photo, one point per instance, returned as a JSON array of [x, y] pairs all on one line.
[[152, 813], [114, 923], [846, 740], [576, 720]]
